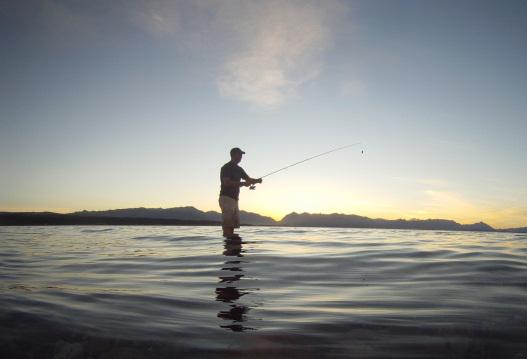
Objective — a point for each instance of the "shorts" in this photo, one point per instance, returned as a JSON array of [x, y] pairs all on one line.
[[230, 213]]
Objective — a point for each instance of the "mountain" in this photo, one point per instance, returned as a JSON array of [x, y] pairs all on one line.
[[351, 220], [188, 213], [515, 230], [54, 219], [193, 216], [182, 213]]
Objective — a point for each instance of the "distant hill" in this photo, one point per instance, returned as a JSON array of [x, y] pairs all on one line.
[[182, 213], [57, 219], [351, 220], [192, 216], [515, 230]]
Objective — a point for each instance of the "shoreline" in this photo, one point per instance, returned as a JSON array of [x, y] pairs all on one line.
[[59, 219]]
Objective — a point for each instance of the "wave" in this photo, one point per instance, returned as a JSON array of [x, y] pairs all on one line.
[[159, 292]]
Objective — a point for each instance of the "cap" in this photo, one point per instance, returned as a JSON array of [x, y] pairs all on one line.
[[236, 150]]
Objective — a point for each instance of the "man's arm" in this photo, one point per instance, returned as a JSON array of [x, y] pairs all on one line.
[[227, 181], [250, 180]]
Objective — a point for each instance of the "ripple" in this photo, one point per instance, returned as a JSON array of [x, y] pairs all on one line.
[[154, 291]]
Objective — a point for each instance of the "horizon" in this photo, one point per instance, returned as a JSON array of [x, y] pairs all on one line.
[[277, 219], [113, 105]]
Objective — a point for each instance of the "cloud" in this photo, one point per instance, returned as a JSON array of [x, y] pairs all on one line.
[[264, 50], [280, 48], [449, 201], [449, 204], [159, 18], [427, 182], [261, 52]]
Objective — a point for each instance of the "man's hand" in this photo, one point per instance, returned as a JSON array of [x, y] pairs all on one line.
[[253, 180], [250, 182]]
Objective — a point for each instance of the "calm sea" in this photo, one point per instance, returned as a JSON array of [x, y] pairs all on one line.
[[167, 291]]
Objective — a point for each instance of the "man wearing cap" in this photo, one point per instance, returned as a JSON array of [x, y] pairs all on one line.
[[230, 176]]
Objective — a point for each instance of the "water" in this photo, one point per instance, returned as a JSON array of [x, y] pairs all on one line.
[[165, 291]]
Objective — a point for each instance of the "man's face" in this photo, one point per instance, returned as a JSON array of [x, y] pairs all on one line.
[[237, 157]]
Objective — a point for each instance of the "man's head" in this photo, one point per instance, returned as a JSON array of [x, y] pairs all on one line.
[[236, 155]]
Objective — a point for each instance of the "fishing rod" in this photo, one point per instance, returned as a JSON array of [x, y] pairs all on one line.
[[309, 158]]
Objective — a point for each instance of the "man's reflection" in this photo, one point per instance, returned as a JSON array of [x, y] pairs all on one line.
[[229, 293]]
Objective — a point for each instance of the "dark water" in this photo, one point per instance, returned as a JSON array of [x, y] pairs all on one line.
[[156, 292]]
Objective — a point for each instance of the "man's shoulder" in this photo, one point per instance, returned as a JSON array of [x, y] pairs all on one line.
[[232, 165], [228, 166]]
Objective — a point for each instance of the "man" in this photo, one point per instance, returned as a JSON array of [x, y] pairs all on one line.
[[230, 176]]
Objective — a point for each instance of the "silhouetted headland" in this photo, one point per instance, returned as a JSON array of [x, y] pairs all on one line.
[[193, 216]]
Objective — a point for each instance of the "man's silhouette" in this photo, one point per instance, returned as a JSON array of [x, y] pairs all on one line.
[[230, 176]]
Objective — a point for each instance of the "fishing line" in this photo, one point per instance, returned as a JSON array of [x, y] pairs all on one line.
[[310, 158]]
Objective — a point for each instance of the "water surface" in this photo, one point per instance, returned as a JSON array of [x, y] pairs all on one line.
[[162, 291]]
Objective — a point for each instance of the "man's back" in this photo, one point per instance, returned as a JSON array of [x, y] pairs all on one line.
[[235, 173]]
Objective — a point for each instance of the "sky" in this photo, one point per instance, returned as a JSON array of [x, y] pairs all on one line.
[[117, 104]]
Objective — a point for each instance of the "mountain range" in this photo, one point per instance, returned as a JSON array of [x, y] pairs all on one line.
[[192, 216], [182, 213]]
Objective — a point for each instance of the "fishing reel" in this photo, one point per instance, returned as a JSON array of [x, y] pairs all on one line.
[[253, 186]]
